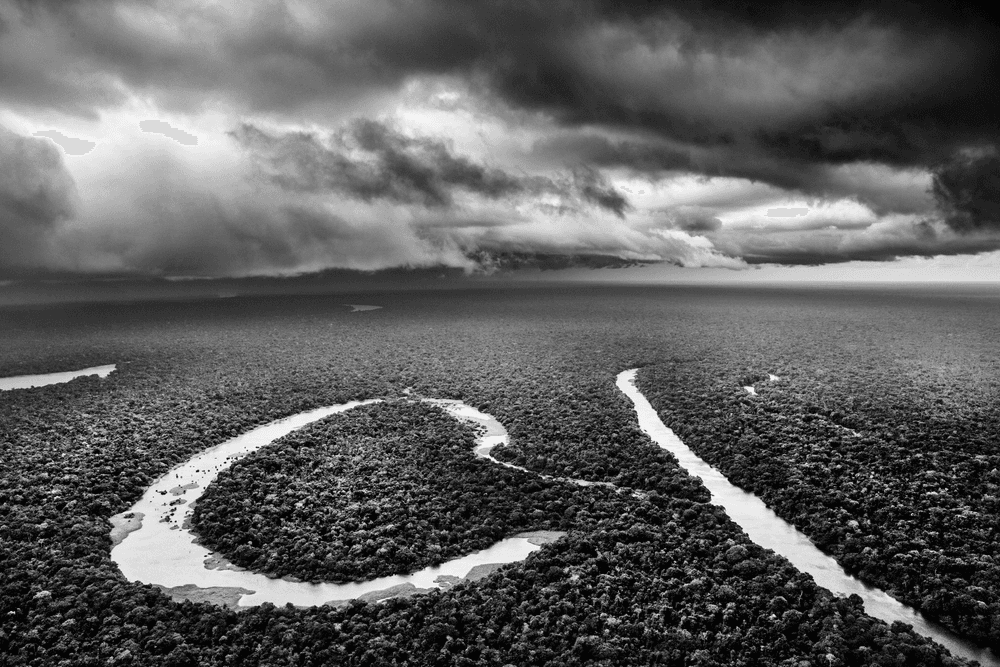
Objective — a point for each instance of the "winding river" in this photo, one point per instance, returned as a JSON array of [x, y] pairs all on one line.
[[153, 542]]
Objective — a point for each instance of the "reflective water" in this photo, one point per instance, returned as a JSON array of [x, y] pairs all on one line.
[[40, 380], [768, 530], [161, 549]]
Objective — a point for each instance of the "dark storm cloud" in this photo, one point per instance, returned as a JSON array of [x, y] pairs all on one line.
[[968, 190], [800, 97], [691, 219], [699, 224], [655, 158], [595, 189], [926, 14], [371, 161], [43, 64], [386, 165], [862, 82], [36, 193], [865, 81], [649, 156]]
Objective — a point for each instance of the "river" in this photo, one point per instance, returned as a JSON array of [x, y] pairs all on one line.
[[157, 546], [30, 381], [154, 543], [768, 530]]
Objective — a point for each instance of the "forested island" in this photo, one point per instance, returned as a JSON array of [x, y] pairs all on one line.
[[662, 578], [382, 489]]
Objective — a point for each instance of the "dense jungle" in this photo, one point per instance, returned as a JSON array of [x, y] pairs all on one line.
[[880, 441]]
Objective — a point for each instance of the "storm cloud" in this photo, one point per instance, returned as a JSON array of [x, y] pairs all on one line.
[[430, 132], [968, 189], [863, 82], [36, 194], [692, 219], [368, 160]]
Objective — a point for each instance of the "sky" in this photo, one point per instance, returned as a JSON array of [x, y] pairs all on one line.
[[724, 141]]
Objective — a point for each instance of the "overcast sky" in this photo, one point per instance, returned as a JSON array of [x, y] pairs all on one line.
[[200, 138]]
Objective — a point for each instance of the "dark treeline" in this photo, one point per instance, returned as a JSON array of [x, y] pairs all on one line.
[[663, 580]]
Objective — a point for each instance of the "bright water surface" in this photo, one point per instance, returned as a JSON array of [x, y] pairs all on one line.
[[29, 381], [768, 530], [163, 550]]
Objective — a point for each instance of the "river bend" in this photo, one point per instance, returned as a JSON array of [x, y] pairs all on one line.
[[156, 545]]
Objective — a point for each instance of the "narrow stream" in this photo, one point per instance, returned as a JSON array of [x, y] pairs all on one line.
[[29, 381], [768, 530]]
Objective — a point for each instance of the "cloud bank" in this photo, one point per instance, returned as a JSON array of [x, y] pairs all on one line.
[[36, 195], [309, 135]]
